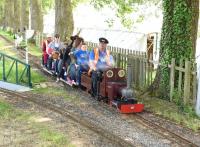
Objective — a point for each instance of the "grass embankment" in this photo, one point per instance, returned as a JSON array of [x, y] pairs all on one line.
[[46, 134]]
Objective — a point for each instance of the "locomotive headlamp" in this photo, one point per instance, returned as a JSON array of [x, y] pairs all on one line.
[[109, 73], [121, 73]]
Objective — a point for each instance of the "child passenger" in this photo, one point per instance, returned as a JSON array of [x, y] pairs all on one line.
[[82, 57]]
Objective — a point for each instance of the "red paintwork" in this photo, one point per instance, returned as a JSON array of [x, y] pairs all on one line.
[[131, 108]]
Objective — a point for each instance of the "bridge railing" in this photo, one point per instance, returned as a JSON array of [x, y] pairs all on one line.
[[13, 70]]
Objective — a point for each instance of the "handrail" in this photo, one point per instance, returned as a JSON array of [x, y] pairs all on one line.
[[14, 59], [18, 74]]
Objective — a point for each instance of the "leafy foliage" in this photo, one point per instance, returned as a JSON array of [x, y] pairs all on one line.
[[122, 9], [175, 38], [47, 5]]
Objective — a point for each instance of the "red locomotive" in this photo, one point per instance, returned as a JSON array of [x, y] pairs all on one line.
[[115, 90]]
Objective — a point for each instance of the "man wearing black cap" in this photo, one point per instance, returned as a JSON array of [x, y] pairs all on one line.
[[99, 60]]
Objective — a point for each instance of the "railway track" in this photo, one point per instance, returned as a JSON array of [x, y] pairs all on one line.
[[73, 116], [172, 136]]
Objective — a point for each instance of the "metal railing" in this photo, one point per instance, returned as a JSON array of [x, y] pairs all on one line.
[[14, 71]]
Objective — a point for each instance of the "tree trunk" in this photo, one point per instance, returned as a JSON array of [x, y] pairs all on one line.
[[2, 4], [194, 24], [178, 39], [36, 15], [17, 15], [64, 23], [24, 14], [9, 15], [166, 40]]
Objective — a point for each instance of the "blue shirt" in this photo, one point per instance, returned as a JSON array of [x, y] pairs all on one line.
[[101, 63], [82, 57]]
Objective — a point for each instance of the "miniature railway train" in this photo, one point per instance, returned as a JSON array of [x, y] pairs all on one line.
[[113, 89]]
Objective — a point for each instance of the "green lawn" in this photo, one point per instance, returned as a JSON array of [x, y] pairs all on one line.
[[33, 50], [8, 35], [46, 134]]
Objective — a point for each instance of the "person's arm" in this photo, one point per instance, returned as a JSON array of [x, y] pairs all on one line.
[[49, 50], [111, 61], [91, 62], [108, 57]]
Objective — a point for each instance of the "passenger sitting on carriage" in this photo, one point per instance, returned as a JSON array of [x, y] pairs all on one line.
[[72, 69], [82, 58], [45, 44], [61, 68], [55, 46], [99, 60]]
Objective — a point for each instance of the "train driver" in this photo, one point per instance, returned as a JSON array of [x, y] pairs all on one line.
[[99, 60]]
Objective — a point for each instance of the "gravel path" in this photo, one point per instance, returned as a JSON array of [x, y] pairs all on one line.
[[20, 134], [111, 120]]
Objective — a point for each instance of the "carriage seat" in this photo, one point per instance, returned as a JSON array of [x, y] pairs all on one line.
[[86, 80]]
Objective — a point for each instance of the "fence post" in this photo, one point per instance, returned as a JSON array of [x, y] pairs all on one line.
[[194, 85], [137, 70], [118, 59], [41, 40], [129, 72], [180, 77], [172, 78], [4, 69], [17, 81], [38, 39], [29, 76], [187, 82]]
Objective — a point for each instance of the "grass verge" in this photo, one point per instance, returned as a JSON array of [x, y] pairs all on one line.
[[45, 133], [57, 92], [7, 34], [172, 112]]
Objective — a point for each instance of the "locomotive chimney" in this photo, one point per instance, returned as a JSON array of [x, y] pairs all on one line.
[[128, 92], [129, 76]]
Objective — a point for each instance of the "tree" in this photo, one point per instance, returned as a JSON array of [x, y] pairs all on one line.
[[24, 14], [178, 38], [47, 5], [36, 15], [64, 18], [64, 23], [17, 15], [8, 15], [2, 4]]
